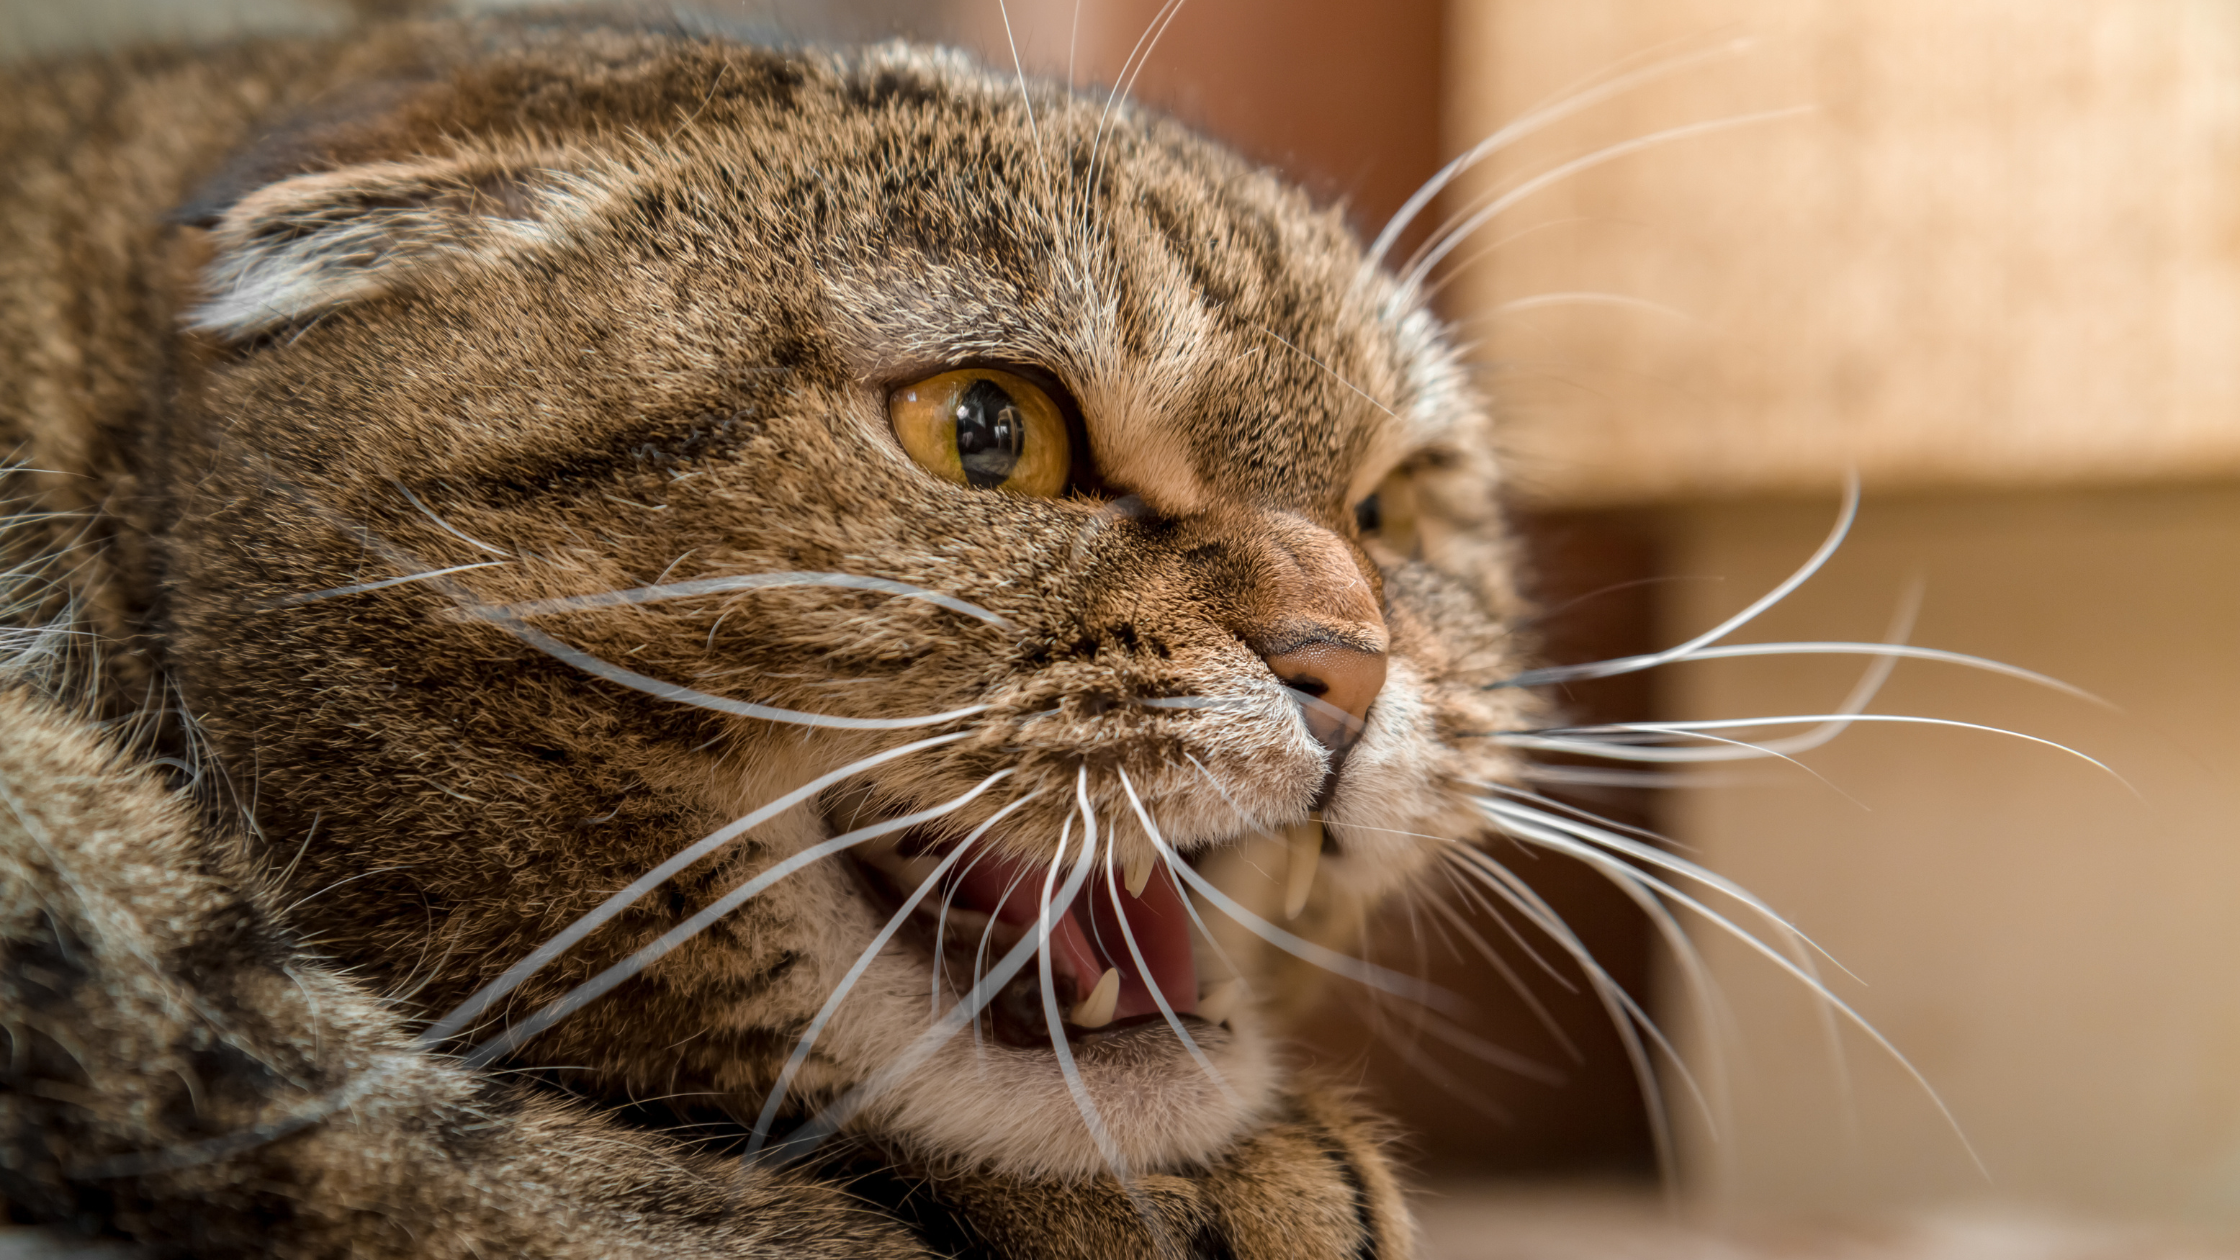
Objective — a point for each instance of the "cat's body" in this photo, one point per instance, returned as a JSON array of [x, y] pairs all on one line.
[[352, 380]]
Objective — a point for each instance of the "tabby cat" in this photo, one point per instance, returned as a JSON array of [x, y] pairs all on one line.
[[621, 643]]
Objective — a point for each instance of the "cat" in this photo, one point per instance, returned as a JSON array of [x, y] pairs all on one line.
[[622, 642]]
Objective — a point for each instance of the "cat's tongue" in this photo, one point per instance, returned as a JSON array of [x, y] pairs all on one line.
[[1088, 939]]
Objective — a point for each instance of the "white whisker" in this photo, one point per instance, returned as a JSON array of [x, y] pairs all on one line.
[[472, 607], [1091, 1118], [1542, 301], [1347, 722], [1514, 819], [1167, 857], [1020, 69], [1563, 738], [1887, 654], [1646, 893], [1128, 936], [1891, 651], [1321, 956], [651, 686], [1564, 105], [1631, 664], [1638, 748], [1540, 1012], [445, 525], [1333, 372], [1194, 702], [357, 588], [1539, 801], [1589, 776], [987, 932], [940, 931], [1509, 929], [1652, 893], [1448, 240], [1129, 66], [1587, 844], [1627, 1019], [1210, 777], [742, 582]]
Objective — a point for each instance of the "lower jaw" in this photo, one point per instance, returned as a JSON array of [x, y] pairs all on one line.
[[1019, 1112], [1018, 1017]]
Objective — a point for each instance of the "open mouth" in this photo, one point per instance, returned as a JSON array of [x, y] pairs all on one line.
[[1116, 951]]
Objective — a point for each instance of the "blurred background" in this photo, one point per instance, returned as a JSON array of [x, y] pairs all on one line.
[[1986, 253]]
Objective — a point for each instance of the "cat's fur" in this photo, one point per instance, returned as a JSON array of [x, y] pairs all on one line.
[[597, 307]]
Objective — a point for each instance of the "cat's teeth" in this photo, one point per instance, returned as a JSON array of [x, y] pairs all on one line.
[[1095, 1010], [1219, 1001], [1139, 873], [907, 872], [1306, 856]]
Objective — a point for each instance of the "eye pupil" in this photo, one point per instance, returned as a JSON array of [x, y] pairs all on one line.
[[991, 434], [1369, 514]]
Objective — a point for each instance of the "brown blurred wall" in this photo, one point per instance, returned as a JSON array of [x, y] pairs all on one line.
[[1342, 96]]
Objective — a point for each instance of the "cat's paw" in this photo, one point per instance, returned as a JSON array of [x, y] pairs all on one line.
[[1313, 1183]]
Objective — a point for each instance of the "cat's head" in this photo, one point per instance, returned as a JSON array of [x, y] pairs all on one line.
[[598, 441]]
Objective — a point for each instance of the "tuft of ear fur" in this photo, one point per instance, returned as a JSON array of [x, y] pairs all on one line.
[[308, 244]]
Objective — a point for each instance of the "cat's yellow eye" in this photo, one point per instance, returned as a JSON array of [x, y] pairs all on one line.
[[1387, 518], [985, 428]]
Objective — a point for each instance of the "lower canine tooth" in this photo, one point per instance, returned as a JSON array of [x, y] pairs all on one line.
[[1139, 873], [1095, 1010], [1219, 1001], [1306, 856]]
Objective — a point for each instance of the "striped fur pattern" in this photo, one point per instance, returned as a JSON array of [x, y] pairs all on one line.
[[454, 481]]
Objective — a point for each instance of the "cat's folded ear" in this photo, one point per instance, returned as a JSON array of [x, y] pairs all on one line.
[[306, 244]]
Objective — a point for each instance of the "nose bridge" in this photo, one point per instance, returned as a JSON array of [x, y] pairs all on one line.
[[1314, 588], [1314, 615]]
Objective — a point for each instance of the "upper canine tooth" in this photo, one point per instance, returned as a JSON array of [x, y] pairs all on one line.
[[1306, 856], [1139, 873], [1095, 1010], [906, 872], [1219, 1001]]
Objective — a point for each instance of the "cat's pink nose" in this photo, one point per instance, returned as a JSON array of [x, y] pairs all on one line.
[[1339, 683]]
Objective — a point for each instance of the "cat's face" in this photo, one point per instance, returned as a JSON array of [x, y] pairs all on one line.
[[1059, 442]]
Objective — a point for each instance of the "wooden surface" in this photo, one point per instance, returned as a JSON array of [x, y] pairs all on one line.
[[2000, 248]]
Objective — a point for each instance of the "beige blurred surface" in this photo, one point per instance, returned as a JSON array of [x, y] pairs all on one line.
[[2000, 247], [1465, 1221], [2053, 946]]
